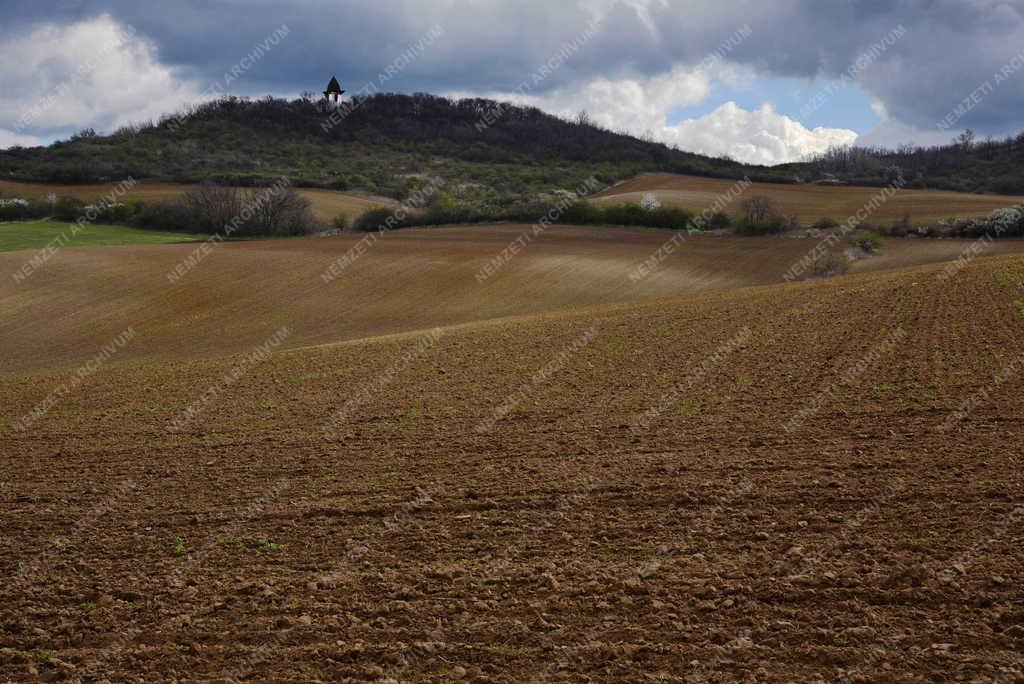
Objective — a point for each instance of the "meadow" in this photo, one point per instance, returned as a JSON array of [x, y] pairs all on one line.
[[21, 235]]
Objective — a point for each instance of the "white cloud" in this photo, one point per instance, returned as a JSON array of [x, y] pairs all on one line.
[[630, 104], [10, 139], [761, 136], [641, 106], [96, 72]]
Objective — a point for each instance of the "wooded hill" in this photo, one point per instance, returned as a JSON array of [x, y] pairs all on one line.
[[486, 152]]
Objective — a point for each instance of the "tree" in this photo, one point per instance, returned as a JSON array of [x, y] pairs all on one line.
[[280, 211], [650, 202], [209, 207], [758, 209]]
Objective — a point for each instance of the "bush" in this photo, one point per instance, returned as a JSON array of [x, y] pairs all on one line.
[[373, 219], [213, 209], [870, 241], [719, 221], [340, 223], [825, 224], [902, 227], [16, 209], [832, 264], [629, 214], [208, 207], [68, 209], [277, 211], [108, 212], [163, 216], [758, 209], [773, 225]]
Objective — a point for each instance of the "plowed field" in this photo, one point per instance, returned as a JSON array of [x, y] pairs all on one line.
[[81, 298], [745, 483], [809, 202]]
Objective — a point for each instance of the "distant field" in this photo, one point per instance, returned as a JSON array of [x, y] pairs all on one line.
[[809, 202], [408, 280], [326, 203], [38, 234]]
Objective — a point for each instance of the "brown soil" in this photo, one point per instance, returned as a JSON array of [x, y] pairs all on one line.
[[561, 545], [810, 202], [82, 298]]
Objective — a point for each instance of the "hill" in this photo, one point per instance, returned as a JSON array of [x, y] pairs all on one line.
[[964, 165], [487, 152], [383, 144]]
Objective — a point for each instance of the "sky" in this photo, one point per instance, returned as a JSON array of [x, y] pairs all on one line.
[[760, 81]]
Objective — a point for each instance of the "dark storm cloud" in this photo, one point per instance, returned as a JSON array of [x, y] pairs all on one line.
[[952, 47]]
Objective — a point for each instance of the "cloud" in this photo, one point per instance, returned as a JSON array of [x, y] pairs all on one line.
[[891, 133], [96, 72], [12, 139], [761, 136], [627, 104], [951, 48], [639, 106]]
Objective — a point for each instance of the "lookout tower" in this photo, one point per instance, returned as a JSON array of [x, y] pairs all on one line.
[[333, 93]]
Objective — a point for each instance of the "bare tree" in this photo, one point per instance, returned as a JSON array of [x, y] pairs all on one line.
[[210, 207], [278, 210], [966, 139], [758, 208]]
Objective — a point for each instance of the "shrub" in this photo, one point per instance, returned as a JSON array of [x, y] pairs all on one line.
[[16, 208], [831, 264], [719, 221], [208, 207], [650, 202], [582, 213], [277, 211], [340, 223], [902, 227], [825, 224], [211, 208], [632, 214], [373, 219], [1009, 221], [870, 241], [772, 225], [758, 209], [108, 212], [164, 216], [68, 209]]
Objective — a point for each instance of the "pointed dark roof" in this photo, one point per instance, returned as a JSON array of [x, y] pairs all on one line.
[[333, 87]]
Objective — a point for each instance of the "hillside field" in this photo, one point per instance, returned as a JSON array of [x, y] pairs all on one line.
[[553, 475], [326, 203], [809, 202], [408, 280]]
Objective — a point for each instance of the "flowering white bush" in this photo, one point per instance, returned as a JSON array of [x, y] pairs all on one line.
[[1006, 217], [649, 202], [15, 202], [103, 206]]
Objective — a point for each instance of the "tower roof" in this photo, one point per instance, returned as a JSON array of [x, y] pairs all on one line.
[[333, 87]]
